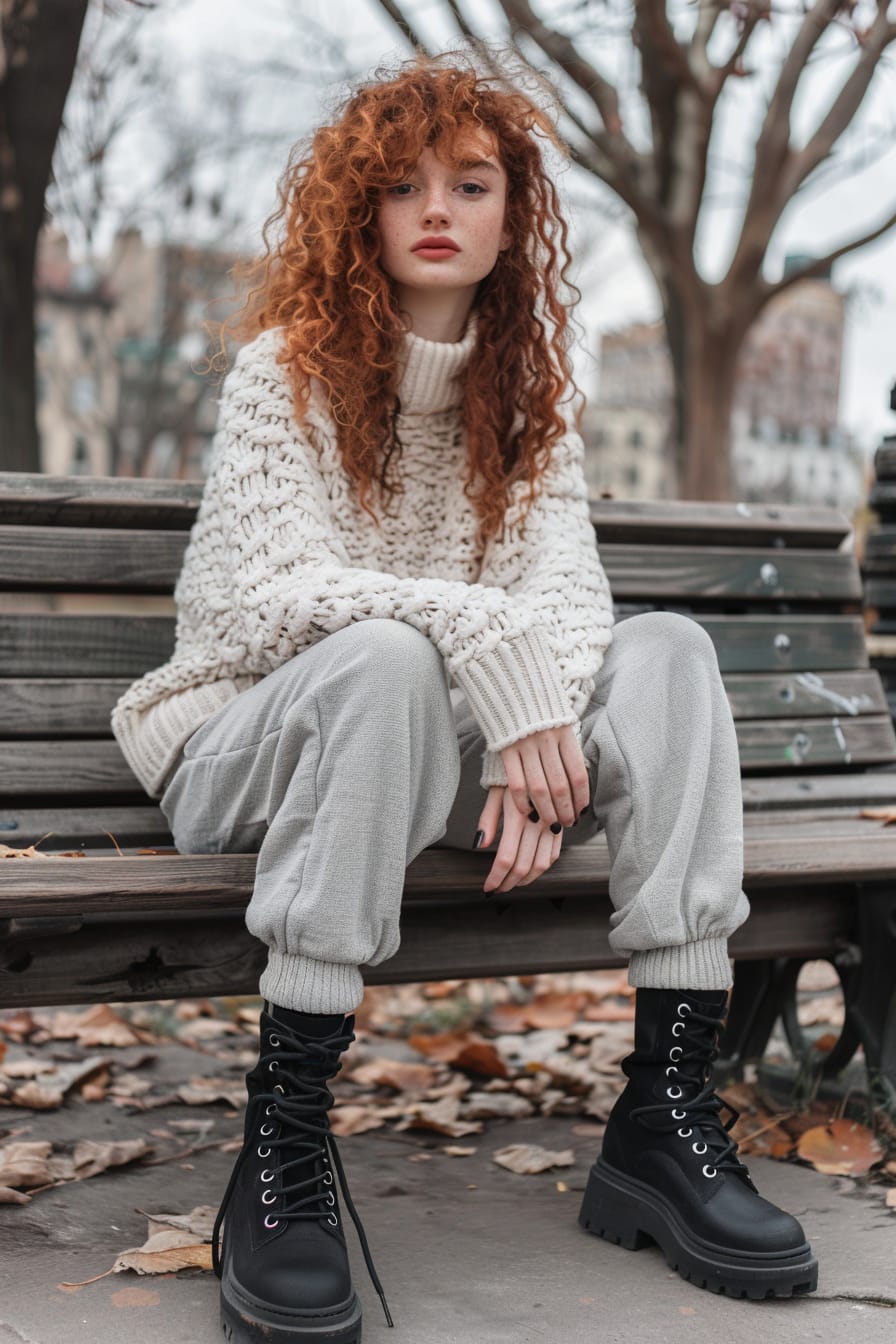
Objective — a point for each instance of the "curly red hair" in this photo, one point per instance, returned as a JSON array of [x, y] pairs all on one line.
[[321, 281]]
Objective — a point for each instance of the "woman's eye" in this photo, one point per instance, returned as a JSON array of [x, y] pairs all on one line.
[[402, 189], [471, 188]]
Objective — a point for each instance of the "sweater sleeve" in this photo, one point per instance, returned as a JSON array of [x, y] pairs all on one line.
[[283, 580], [551, 569]]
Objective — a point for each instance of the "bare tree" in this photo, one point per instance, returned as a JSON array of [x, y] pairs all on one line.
[[687, 67], [38, 48]]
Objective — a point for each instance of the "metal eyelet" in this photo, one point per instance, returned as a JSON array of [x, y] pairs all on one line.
[[328, 1178], [266, 1176], [698, 1148], [673, 1093], [269, 1224], [272, 1107], [278, 1087], [679, 1115], [673, 1055], [266, 1130], [670, 1069], [263, 1152], [332, 1219], [677, 1028], [274, 1040], [273, 1066], [331, 1199], [684, 1008], [268, 1196], [710, 1172], [685, 1133]]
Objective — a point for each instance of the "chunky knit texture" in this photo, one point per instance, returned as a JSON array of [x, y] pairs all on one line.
[[281, 555]]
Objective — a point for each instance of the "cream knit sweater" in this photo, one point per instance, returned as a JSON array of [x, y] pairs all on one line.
[[281, 555]]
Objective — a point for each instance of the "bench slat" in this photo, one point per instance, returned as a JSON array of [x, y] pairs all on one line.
[[120, 560], [99, 501], [79, 826], [183, 958], [37, 644], [70, 766], [211, 883], [68, 707]]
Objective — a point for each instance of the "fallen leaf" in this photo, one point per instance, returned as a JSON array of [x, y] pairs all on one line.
[[47, 1092], [203, 1091], [885, 814], [97, 1026], [464, 1049], [890, 1199], [200, 1222], [441, 1116], [454, 1150], [502, 1105], [555, 1010], [400, 1075], [25, 1163], [841, 1148], [526, 1159], [90, 1157], [345, 1120], [17, 1025]]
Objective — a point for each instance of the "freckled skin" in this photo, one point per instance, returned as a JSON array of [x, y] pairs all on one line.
[[466, 205]]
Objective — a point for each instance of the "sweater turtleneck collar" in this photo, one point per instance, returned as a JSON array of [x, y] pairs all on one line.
[[428, 371]]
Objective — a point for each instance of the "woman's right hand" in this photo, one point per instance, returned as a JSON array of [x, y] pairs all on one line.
[[527, 848]]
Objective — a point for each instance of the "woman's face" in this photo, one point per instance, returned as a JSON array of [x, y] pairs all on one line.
[[458, 211]]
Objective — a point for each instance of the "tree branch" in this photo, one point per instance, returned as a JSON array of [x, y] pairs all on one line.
[[822, 264], [397, 15]]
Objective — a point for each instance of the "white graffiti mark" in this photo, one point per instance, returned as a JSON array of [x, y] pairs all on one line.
[[841, 740], [847, 704]]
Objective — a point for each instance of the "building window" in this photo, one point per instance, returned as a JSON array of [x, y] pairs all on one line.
[[632, 476], [80, 457], [635, 439]]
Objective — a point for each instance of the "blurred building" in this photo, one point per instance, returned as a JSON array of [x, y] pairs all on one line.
[[786, 441], [123, 385]]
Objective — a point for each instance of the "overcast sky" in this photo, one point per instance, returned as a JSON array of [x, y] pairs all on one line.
[[619, 289]]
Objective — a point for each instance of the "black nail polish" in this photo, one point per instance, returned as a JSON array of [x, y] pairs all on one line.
[[556, 827], [478, 839], [533, 815]]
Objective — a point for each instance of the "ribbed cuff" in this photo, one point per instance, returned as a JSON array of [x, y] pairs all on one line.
[[515, 690], [700, 965], [493, 772], [309, 986]]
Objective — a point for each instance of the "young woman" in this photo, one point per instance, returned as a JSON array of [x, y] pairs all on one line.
[[391, 602]]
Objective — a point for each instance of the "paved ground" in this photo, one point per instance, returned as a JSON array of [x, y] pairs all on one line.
[[468, 1253]]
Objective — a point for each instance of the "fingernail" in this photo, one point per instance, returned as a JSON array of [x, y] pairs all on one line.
[[556, 827], [478, 839]]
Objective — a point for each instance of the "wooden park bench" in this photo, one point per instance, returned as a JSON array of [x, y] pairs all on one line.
[[82, 563]]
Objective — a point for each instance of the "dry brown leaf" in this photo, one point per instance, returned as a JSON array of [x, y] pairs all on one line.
[[17, 1025], [165, 1252], [841, 1148], [455, 1150], [199, 1222], [464, 1049], [885, 814], [99, 1025], [345, 1120], [90, 1158], [397, 1074], [8, 1196], [25, 1163], [526, 1159], [29, 853], [203, 1091], [501, 1105], [890, 1199], [47, 1092], [555, 1010], [441, 1116], [508, 1017]]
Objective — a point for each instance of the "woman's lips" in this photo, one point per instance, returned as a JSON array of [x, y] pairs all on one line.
[[436, 253]]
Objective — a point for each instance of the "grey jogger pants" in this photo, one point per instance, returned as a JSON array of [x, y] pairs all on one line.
[[351, 758]]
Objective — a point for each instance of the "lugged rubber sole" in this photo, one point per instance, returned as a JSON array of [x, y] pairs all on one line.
[[631, 1214], [244, 1321]]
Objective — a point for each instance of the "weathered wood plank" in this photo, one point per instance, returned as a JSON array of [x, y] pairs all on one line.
[[118, 502], [39, 645], [762, 794], [98, 560], [67, 767], [70, 559], [167, 958], [58, 706], [78, 707], [79, 826], [804, 694], [220, 882]]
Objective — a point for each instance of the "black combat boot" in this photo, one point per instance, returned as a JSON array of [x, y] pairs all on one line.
[[669, 1172], [283, 1265]]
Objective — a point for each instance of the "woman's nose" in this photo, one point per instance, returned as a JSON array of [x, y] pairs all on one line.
[[435, 211]]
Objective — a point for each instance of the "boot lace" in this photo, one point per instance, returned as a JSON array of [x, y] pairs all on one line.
[[696, 1043], [299, 1105]]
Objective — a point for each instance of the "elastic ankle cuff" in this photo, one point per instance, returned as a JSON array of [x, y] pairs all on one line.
[[309, 986], [699, 965]]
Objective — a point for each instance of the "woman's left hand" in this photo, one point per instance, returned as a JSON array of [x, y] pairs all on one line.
[[547, 771]]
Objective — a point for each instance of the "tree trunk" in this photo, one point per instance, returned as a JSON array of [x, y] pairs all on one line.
[[39, 49], [705, 341]]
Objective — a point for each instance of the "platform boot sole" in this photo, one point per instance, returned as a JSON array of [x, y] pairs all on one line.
[[247, 1321], [631, 1214]]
